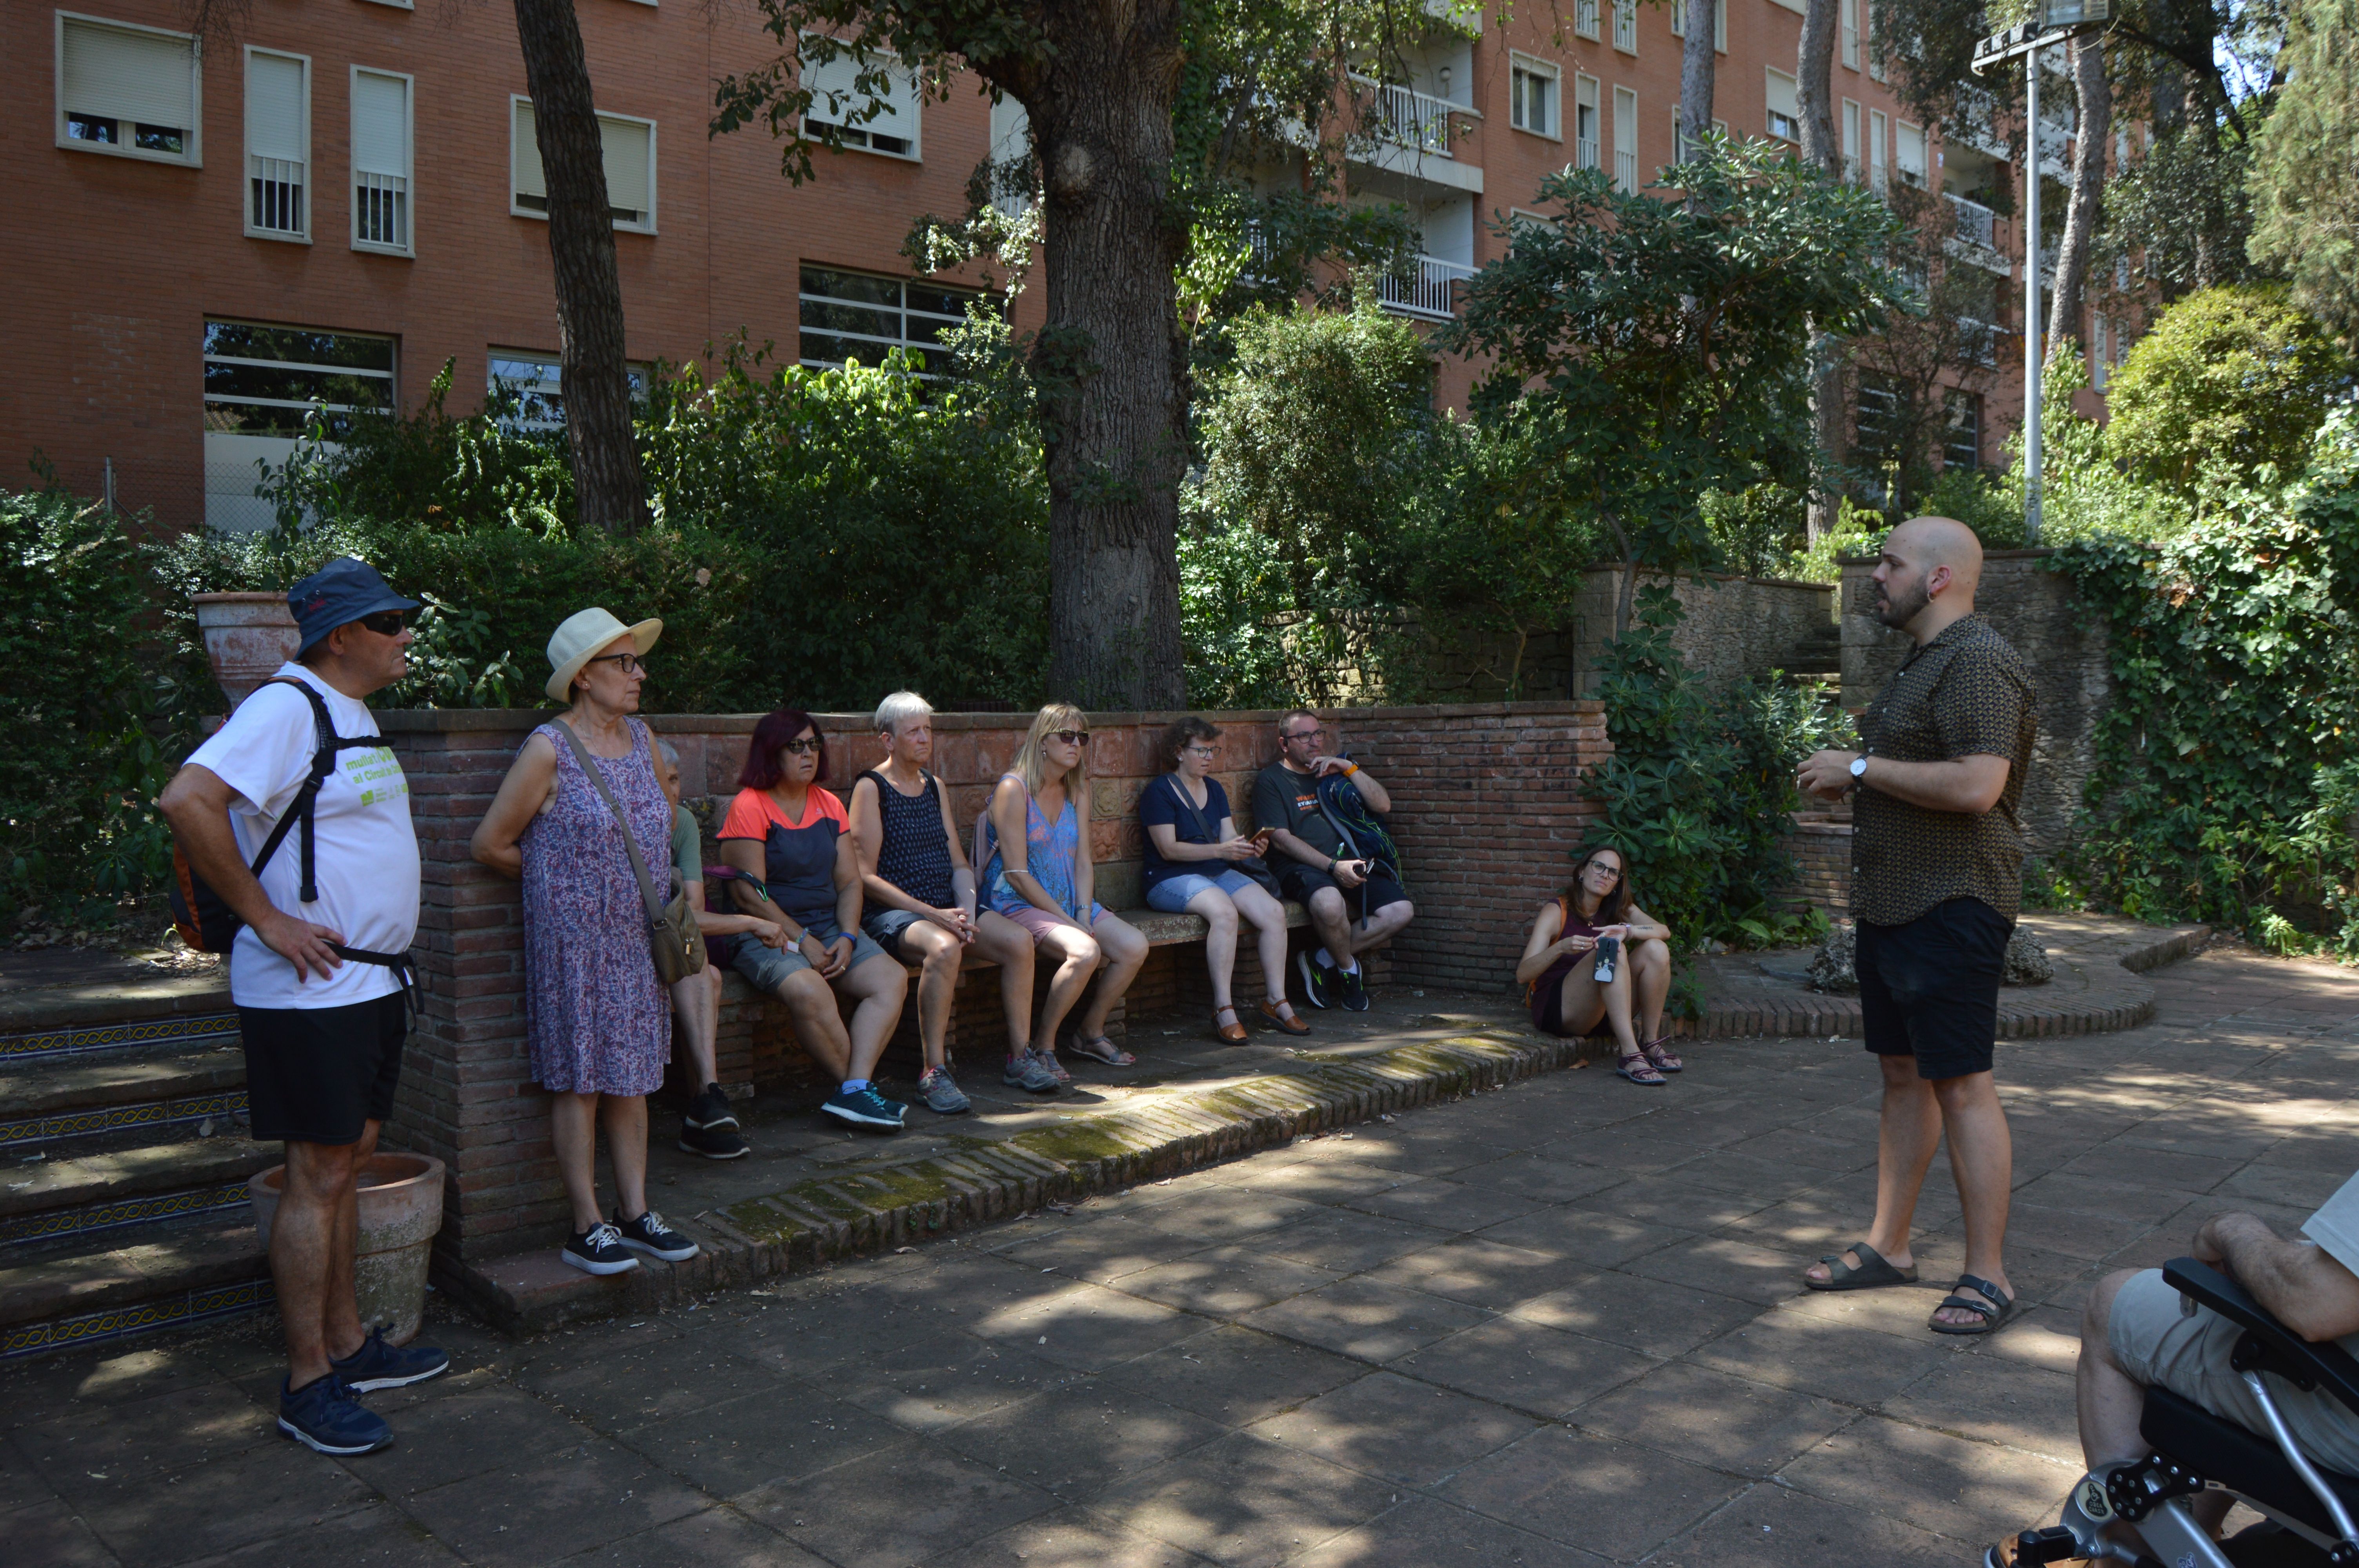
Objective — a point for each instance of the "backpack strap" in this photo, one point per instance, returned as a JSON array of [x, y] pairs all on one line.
[[303, 807]]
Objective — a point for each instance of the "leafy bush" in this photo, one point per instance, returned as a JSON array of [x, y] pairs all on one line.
[[1699, 794], [2238, 377], [2228, 763], [82, 709]]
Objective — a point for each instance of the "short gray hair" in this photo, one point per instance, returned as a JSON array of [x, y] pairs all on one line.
[[670, 753], [900, 705]]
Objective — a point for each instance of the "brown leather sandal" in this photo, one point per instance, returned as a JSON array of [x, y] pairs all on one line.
[[1283, 1021], [1232, 1033], [1662, 1060]]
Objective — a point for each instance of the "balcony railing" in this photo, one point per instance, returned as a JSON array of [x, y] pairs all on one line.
[[1423, 289], [1409, 118], [1977, 224], [381, 209], [277, 185], [1585, 152], [1625, 170]]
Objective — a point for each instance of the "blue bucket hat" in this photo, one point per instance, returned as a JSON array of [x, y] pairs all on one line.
[[337, 595]]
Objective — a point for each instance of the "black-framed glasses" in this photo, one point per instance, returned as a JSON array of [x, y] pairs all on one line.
[[1203, 751], [1070, 737], [810, 745], [386, 622], [629, 663], [1610, 869], [1307, 735]]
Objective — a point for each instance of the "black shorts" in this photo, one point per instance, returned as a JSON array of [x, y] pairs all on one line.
[[313, 1074], [1298, 881], [1929, 988]]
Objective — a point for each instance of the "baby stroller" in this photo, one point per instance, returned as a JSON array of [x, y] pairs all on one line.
[[2308, 1512]]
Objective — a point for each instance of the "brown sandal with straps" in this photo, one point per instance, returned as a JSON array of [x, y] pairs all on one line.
[[1233, 1033], [1661, 1060], [1638, 1070]]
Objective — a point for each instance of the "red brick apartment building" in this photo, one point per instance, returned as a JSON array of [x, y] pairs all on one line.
[[332, 198]]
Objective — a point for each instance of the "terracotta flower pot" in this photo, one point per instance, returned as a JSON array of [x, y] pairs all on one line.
[[401, 1210], [247, 637]]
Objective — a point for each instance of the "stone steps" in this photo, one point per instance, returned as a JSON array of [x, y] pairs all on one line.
[[123, 1163]]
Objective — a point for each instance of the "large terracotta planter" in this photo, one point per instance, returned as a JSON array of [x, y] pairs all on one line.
[[247, 637], [401, 1209]]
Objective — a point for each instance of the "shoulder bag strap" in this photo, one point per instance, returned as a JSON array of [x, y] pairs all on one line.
[[303, 809], [1195, 814], [630, 839]]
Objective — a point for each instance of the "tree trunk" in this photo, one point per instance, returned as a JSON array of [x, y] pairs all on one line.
[[1696, 64], [1814, 94], [607, 493], [2091, 133], [1111, 364]]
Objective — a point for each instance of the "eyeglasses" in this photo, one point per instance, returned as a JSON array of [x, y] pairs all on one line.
[[1070, 737], [386, 622], [1203, 751], [1307, 735], [629, 663], [805, 747], [1613, 872]]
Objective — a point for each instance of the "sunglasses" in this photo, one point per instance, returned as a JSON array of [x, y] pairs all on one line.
[[1070, 737], [629, 663], [805, 748], [386, 622]]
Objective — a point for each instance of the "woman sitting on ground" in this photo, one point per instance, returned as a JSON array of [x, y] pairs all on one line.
[[1037, 871], [1560, 962], [1192, 861]]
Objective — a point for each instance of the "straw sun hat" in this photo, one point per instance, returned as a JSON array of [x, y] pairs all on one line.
[[578, 641]]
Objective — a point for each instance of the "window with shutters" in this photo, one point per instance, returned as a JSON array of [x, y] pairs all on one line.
[[1625, 25], [1533, 90], [1909, 155], [1584, 121], [383, 122], [1785, 119], [1851, 35], [854, 316], [278, 145], [629, 145], [1678, 10], [127, 89], [837, 102], [1584, 17], [1626, 141]]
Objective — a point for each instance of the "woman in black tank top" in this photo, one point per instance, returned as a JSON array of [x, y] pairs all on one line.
[[1560, 962], [918, 898]]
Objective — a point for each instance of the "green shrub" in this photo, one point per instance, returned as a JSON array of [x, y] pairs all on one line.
[[2236, 376]]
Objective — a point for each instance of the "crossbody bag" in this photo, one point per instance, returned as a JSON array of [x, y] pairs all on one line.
[[672, 934], [1256, 867]]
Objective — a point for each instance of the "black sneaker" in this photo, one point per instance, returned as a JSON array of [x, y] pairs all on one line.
[[376, 1364], [598, 1250], [710, 1109], [650, 1238], [864, 1108], [1355, 983], [712, 1142], [324, 1416], [1315, 978]]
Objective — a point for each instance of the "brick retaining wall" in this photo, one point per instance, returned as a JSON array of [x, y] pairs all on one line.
[[1486, 810]]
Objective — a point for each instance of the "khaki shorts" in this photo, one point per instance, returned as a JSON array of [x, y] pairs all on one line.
[[2155, 1343]]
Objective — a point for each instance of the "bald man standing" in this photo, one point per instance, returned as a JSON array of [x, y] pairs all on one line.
[[1937, 880]]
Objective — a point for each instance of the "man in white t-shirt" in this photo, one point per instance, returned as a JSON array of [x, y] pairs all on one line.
[[318, 982], [2133, 1334]]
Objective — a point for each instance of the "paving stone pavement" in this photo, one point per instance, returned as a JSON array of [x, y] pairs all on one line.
[[1553, 1323]]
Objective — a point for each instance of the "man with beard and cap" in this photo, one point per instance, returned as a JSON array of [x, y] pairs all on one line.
[[1937, 879]]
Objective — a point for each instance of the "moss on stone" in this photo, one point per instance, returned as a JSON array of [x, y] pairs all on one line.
[[1077, 1143]]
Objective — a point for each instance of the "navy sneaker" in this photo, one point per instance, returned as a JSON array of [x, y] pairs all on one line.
[[322, 1416], [1315, 979], [650, 1236], [1355, 983], [376, 1364], [865, 1108], [710, 1109], [598, 1250]]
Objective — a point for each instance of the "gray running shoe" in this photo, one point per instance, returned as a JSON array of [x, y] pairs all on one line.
[[940, 1094], [1029, 1073]]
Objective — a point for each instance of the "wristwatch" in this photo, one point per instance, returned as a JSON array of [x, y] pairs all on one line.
[[1859, 769]]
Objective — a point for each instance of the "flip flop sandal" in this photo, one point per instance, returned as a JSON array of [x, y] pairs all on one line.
[[1873, 1271], [1994, 1318], [1638, 1070], [1662, 1061], [1100, 1049]]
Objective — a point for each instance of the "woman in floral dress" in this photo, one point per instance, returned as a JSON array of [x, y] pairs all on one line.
[[597, 1017]]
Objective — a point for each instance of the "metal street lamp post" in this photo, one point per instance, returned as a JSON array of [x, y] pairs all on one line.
[[2058, 21]]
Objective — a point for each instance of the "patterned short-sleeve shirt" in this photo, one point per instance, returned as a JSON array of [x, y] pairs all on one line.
[[1963, 694]]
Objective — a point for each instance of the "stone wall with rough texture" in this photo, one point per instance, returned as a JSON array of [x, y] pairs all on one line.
[[2036, 610], [1485, 808]]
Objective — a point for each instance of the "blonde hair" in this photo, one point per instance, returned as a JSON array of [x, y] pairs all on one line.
[[1028, 765]]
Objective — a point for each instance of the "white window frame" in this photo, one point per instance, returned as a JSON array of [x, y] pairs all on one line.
[[1625, 27], [2098, 364], [1868, 41], [307, 183], [1625, 158], [1850, 164], [1924, 169], [1585, 22], [1679, 13], [1851, 35], [191, 155], [1521, 64], [409, 175], [892, 66], [1588, 153], [1771, 114], [1879, 160], [647, 224], [399, 4]]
